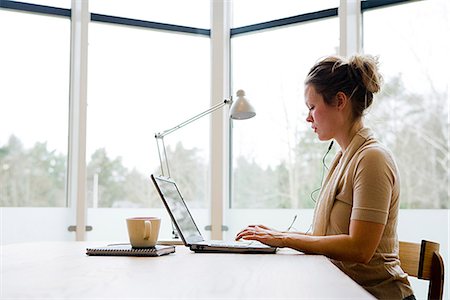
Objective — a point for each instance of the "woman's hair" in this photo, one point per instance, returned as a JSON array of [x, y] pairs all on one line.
[[357, 77]]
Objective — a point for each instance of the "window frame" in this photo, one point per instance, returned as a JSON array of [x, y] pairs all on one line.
[[220, 35]]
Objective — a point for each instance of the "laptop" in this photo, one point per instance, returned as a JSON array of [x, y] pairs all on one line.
[[188, 230]]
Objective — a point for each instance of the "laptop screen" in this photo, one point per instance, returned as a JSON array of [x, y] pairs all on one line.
[[178, 210]]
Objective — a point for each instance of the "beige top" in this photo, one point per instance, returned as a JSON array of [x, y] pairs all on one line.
[[363, 184]]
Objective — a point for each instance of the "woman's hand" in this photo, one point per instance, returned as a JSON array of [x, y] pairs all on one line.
[[262, 234]]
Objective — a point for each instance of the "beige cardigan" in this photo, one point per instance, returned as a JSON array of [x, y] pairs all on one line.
[[363, 184]]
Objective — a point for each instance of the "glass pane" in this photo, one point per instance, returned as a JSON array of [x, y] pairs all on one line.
[[244, 11], [192, 13], [142, 82], [53, 3], [272, 150], [34, 102], [411, 113]]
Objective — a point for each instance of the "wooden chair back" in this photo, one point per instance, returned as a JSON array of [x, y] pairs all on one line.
[[423, 260]]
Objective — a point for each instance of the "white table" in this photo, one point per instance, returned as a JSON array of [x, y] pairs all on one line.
[[61, 270]]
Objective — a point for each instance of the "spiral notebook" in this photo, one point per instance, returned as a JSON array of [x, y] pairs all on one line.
[[127, 250]]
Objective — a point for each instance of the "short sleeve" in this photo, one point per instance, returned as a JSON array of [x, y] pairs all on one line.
[[374, 180]]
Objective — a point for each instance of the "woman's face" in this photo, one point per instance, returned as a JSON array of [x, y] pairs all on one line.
[[323, 117]]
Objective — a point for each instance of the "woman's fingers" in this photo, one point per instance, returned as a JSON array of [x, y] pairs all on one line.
[[248, 232], [242, 234]]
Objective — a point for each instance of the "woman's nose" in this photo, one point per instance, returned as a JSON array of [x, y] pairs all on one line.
[[308, 117]]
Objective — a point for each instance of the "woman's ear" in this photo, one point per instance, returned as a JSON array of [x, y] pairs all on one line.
[[341, 100]]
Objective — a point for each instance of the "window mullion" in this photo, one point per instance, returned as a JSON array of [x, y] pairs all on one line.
[[77, 115], [350, 27], [220, 57]]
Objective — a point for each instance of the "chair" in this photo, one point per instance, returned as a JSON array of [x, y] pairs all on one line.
[[424, 262]]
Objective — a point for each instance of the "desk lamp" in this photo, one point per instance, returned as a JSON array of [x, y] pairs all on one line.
[[240, 109]]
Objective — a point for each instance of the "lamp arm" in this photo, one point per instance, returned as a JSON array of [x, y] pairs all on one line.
[[206, 112], [160, 136]]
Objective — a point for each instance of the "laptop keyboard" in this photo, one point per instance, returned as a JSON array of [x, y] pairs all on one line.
[[236, 244]]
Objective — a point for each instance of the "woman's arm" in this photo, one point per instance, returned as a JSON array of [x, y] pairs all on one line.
[[358, 246]]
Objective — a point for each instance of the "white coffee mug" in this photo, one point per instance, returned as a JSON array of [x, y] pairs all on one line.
[[143, 231]]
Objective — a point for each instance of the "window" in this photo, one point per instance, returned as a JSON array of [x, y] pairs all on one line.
[[268, 10], [142, 82], [193, 13], [270, 151], [411, 113], [52, 3], [34, 103], [137, 75]]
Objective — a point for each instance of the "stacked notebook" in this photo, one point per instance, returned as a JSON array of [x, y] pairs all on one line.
[[127, 250]]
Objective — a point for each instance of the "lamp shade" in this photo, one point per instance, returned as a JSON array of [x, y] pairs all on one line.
[[241, 109]]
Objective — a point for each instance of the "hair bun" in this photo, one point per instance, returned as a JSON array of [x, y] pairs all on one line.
[[366, 67]]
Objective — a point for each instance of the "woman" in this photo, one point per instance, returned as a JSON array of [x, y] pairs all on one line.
[[355, 219]]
